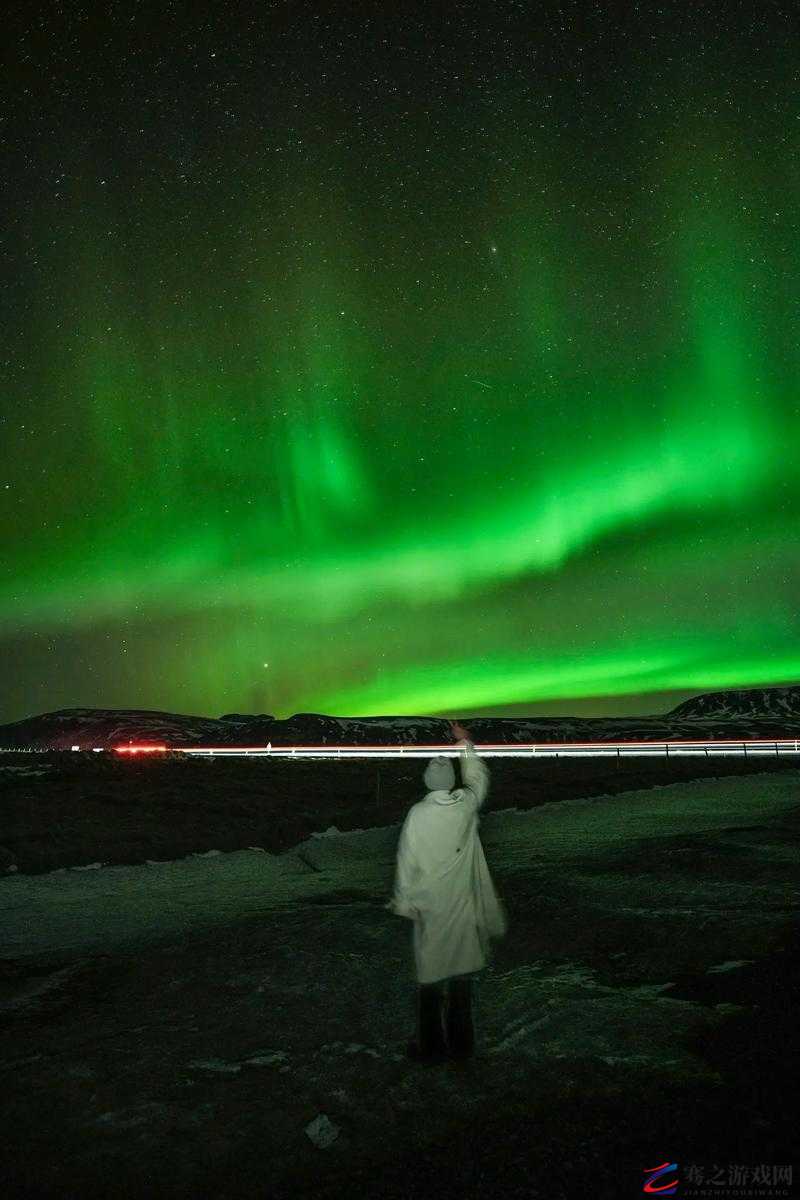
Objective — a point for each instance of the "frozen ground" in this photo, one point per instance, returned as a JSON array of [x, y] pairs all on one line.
[[93, 906], [234, 1023]]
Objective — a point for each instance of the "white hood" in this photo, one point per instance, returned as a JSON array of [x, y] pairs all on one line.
[[439, 775]]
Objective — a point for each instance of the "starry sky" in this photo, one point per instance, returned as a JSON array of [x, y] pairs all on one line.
[[408, 359]]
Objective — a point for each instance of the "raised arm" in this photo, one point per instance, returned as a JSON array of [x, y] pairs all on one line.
[[474, 772]]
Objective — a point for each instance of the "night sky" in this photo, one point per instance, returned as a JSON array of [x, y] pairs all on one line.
[[398, 358]]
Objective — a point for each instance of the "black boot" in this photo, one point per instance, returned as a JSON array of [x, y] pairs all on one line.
[[459, 1024], [430, 1045]]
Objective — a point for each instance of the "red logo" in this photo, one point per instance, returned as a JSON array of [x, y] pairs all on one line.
[[651, 1188]]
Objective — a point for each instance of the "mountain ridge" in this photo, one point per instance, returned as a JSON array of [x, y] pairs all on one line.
[[741, 712]]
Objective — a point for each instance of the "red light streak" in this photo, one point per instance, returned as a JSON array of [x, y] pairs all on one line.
[[140, 749]]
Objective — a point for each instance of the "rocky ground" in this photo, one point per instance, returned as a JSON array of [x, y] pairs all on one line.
[[196, 1028]]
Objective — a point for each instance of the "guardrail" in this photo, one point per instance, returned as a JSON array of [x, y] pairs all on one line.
[[666, 749]]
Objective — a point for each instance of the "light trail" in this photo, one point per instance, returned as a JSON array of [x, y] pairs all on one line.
[[665, 749]]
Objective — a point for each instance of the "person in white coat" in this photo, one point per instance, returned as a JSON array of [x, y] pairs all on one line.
[[442, 883]]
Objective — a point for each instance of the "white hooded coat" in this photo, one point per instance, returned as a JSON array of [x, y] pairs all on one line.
[[442, 880]]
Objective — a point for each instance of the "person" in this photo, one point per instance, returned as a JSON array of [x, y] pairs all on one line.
[[442, 883]]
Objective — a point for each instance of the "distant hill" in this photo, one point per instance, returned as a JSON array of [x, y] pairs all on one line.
[[779, 702], [745, 713]]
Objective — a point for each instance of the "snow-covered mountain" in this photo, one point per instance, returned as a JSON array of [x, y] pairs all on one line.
[[745, 713], [781, 703], [88, 727]]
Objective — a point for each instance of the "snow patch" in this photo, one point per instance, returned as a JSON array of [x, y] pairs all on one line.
[[217, 1065], [267, 1058], [729, 966]]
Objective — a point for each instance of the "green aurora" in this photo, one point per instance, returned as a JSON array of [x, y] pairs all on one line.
[[294, 448]]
